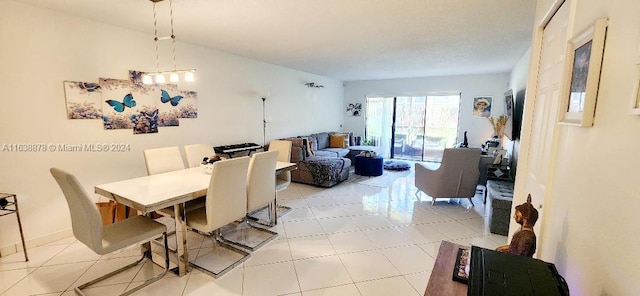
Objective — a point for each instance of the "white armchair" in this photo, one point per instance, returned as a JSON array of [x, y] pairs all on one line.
[[455, 177]]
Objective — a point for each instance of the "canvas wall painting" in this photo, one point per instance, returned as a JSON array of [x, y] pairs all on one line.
[[354, 109], [145, 113], [482, 106], [188, 104], [83, 100], [118, 103], [168, 105]]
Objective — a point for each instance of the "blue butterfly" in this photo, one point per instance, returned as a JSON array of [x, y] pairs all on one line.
[[166, 98], [127, 102], [88, 86]]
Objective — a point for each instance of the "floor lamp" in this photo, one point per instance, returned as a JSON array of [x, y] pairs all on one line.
[[264, 124]]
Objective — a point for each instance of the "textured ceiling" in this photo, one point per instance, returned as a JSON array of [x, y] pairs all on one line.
[[343, 39]]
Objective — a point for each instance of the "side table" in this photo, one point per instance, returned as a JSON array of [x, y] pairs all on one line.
[[9, 205]]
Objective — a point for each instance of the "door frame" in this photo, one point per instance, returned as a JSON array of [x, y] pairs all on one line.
[[530, 100]]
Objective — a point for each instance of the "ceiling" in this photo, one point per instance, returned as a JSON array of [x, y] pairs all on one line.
[[343, 39]]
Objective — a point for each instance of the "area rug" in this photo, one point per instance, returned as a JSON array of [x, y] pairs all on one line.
[[385, 180]]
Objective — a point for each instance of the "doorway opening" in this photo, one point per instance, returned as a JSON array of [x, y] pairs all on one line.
[[413, 127]]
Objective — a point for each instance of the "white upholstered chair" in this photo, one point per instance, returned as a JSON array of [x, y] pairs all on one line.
[[261, 191], [196, 153], [455, 177], [226, 202], [87, 228], [162, 160], [284, 154]]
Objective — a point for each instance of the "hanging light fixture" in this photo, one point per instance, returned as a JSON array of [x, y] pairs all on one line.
[[174, 75]]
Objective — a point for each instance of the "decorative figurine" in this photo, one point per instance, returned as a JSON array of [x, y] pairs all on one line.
[[465, 142], [523, 242]]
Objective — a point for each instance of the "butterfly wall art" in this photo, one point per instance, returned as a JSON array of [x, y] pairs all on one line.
[[146, 122], [129, 104], [165, 98], [83, 100], [127, 101]]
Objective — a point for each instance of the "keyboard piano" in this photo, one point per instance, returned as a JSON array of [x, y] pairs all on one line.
[[236, 148]]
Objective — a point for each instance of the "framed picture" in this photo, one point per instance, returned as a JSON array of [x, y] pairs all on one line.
[[462, 267], [354, 109], [482, 106], [583, 61], [508, 111]]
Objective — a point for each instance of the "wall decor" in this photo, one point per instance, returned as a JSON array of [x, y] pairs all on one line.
[[83, 100], [583, 61], [118, 103], [130, 104], [508, 112], [354, 109], [482, 106]]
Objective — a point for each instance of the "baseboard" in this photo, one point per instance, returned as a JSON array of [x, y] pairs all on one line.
[[32, 243]]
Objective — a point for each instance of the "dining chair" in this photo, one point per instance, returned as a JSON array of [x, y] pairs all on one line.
[[196, 152], [226, 202], [162, 160], [87, 227], [284, 155], [261, 190]]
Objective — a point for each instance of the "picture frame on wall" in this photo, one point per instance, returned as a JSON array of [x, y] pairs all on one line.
[[583, 62], [482, 106], [508, 111]]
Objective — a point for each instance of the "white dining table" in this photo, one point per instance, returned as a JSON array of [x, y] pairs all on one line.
[[151, 193]]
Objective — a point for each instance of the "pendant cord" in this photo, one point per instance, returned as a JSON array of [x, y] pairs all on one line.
[[173, 36], [155, 39]]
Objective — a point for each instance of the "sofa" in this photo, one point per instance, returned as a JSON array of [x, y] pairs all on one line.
[[319, 162]]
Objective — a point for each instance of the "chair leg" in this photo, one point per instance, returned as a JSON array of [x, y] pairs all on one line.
[[418, 195], [245, 223], [78, 289], [217, 237]]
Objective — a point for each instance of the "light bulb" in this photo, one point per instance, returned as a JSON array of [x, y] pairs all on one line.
[[146, 79], [160, 78], [174, 77], [189, 77]]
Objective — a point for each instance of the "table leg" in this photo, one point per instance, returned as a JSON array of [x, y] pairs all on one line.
[[181, 239], [24, 246]]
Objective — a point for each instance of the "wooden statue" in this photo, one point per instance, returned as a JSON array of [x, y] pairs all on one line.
[[523, 242]]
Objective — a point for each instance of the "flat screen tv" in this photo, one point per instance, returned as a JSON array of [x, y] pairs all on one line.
[[518, 109]]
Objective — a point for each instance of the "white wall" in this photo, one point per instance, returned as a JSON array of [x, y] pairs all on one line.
[[479, 129], [589, 228], [41, 48], [518, 81]]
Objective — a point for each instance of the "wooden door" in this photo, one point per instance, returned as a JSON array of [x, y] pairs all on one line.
[[543, 117]]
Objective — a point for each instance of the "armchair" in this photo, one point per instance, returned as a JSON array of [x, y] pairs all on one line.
[[456, 177]]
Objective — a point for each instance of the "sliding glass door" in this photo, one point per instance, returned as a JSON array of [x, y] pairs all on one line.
[[413, 127]]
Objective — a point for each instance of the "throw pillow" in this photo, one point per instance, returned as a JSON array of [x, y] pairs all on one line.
[[310, 148], [298, 142], [347, 138], [336, 141]]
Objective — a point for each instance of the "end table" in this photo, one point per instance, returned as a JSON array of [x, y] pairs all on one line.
[[9, 205]]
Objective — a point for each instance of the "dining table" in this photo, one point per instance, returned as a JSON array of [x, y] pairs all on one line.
[[171, 189]]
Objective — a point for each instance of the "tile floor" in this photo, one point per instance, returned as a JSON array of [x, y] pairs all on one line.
[[357, 238]]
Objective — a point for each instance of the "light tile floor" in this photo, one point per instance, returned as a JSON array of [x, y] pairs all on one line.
[[352, 239]]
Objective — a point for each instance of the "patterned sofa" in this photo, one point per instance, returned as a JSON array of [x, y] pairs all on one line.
[[318, 163]]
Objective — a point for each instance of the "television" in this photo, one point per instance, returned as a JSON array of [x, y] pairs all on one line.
[[518, 109]]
